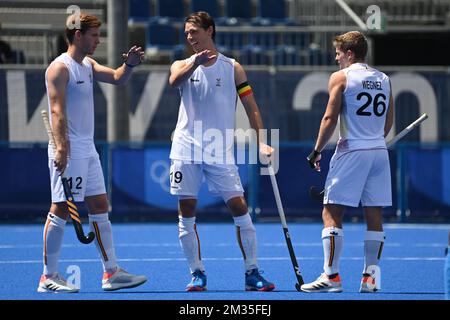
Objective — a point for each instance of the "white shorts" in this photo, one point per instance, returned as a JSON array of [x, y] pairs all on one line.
[[186, 179], [359, 176], [85, 177]]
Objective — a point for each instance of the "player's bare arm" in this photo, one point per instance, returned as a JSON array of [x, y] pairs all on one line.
[[336, 86], [180, 71], [390, 115], [251, 108], [122, 74], [57, 79]]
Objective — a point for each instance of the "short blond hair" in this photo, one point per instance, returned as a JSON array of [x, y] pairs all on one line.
[[354, 41], [86, 22]]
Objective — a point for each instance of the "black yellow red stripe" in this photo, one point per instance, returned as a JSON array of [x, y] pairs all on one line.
[[238, 232], [99, 241], [332, 248], [244, 90], [45, 240], [380, 250], [198, 242]]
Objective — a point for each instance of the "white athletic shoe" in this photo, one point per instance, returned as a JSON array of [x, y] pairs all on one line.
[[121, 280], [324, 284], [368, 284], [56, 284]]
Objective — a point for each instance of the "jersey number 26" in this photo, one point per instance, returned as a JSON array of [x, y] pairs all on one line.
[[379, 104]]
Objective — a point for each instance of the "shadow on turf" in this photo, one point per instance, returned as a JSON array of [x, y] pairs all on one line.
[[183, 291]]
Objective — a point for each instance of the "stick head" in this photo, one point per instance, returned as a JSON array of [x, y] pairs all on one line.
[[87, 239]]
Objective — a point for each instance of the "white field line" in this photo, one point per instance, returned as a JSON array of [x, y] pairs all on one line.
[[230, 244], [39, 261]]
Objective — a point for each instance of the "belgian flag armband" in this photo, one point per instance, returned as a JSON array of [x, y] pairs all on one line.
[[244, 89]]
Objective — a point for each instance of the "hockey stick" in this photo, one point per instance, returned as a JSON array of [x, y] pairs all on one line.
[[76, 220], [317, 194], [287, 236]]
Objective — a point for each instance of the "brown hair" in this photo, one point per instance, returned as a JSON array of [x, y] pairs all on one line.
[[203, 20], [84, 23], [354, 41]]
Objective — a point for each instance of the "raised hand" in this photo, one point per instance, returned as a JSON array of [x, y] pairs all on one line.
[[203, 57], [265, 151], [134, 56]]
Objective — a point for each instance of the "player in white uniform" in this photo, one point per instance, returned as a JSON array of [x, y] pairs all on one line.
[[359, 170], [209, 84], [69, 80]]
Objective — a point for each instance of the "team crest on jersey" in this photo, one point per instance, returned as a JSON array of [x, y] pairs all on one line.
[[218, 82]]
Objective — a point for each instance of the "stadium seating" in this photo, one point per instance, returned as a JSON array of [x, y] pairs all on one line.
[[297, 39], [236, 12], [232, 40], [209, 6], [316, 57], [254, 55], [139, 11], [172, 9], [272, 12], [268, 40], [286, 55], [161, 35], [272, 9]]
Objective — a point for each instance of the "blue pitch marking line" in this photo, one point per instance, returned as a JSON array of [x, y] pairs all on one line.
[[411, 252]]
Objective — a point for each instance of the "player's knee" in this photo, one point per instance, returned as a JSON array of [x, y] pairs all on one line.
[[99, 208], [187, 207], [237, 205], [332, 216], [97, 204]]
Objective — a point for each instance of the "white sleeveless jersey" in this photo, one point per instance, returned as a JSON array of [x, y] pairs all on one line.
[[79, 107], [365, 103], [207, 109]]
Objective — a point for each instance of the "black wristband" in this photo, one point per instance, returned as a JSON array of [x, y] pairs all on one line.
[[129, 65], [313, 154], [312, 157]]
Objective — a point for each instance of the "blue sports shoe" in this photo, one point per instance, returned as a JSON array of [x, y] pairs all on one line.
[[255, 282], [198, 282]]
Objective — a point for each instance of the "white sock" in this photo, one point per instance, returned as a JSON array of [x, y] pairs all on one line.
[[53, 237], [332, 241], [190, 243], [373, 245], [246, 235], [101, 226]]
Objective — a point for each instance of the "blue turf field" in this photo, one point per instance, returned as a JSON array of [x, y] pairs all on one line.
[[412, 262]]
